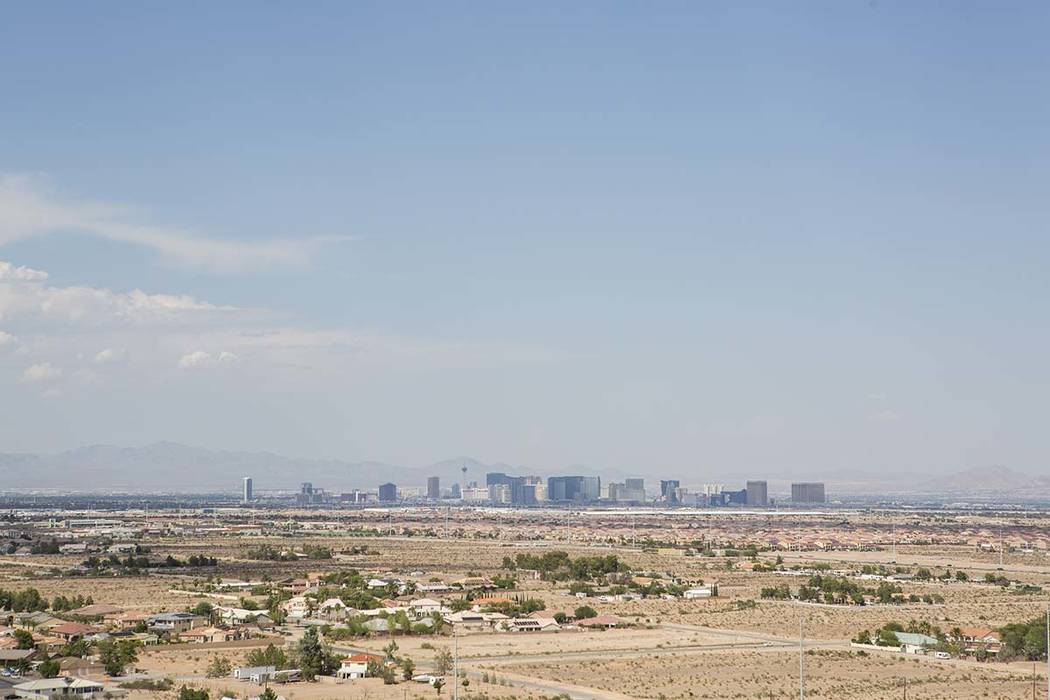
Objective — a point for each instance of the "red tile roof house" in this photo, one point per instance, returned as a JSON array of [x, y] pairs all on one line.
[[976, 639], [356, 665], [71, 631]]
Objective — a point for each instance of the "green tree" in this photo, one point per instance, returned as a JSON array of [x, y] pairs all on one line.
[[219, 667], [49, 669], [585, 612], [314, 657], [443, 661], [408, 668], [270, 656], [187, 693], [24, 640], [268, 693], [115, 656], [438, 685]]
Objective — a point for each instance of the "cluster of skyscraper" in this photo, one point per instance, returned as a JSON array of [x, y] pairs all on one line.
[[505, 489]]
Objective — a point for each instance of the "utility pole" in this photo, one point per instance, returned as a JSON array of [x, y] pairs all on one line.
[[455, 664], [1048, 650], [801, 662], [1000, 541], [894, 526]]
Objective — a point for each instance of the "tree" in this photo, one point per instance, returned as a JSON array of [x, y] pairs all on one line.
[[438, 685], [204, 609], [863, 638], [24, 640], [443, 661], [114, 656], [219, 667], [314, 657], [390, 650], [268, 693], [408, 668], [585, 612], [49, 669], [187, 693], [270, 656]]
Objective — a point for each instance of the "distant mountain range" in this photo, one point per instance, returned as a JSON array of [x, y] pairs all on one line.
[[169, 466]]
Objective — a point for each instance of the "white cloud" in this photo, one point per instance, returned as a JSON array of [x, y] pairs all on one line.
[[7, 340], [9, 272], [41, 372], [28, 209], [110, 356], [206, 360], [94, 305]]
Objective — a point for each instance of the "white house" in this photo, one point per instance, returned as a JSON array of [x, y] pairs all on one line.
[[425, 606], [297, 607], [530, 624], [356, 666], [59, 687], [241, 616], [333, 610], [698, 592], [471, 620]]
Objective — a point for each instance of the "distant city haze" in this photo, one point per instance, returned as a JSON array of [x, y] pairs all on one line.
[[703, 241]]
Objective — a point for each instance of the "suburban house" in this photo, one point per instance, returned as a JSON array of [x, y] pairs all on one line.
[[296, 607], [531, 624], [601, 622], [332, 610], [975, 639], [914, 643], [425, 606], [71, 631], [356, 666], [174, 622], [9, 658], [471, 620], [59, 687], [242, 616], [433, 587], [127, 620], [205, 635]]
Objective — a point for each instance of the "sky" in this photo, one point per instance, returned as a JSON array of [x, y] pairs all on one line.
[[662, 238]]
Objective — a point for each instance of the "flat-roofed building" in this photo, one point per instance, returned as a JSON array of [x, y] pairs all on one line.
[[808, 492], [388, 492], [757, 493]]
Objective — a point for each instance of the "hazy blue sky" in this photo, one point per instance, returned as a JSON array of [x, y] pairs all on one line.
[[664, 237]]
